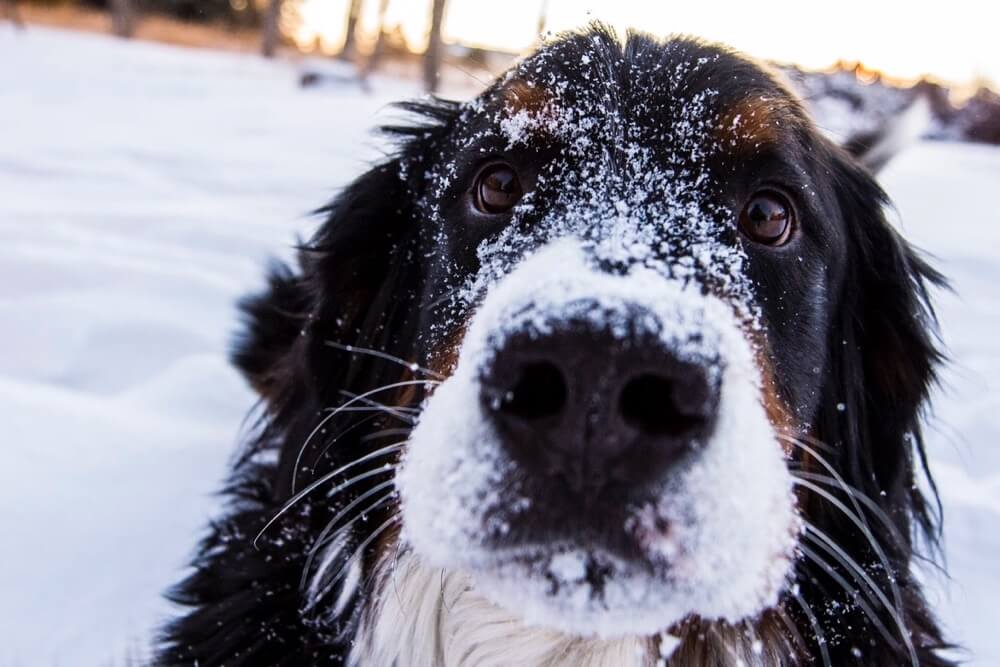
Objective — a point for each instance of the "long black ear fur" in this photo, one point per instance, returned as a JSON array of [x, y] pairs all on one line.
[[884, 356], [353, 286]]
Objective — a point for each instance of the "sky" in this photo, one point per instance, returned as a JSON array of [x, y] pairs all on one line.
[[954, 41]]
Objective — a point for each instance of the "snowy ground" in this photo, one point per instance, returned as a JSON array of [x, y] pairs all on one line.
[[142, 188]]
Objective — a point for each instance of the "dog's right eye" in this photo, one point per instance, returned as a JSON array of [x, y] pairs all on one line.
[[767, 218], [497, 189]]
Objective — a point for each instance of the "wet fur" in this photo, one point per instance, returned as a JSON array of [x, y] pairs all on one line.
[[358, 282]]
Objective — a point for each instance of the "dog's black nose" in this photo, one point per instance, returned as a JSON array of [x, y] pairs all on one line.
[[595, 408]]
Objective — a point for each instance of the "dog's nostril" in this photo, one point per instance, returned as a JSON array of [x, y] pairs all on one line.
[[652, 405], [540, 391]]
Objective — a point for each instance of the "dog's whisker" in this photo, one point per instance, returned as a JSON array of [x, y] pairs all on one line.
[[330, 475], [866, 530], [348, 483], [397, 412], [858, 495], [793, 630], [806, 439], [332, 524], [817, 630], [331, 530], [333, 413], [338, 410], [332, 442], [371, 392], [385, 433], [856, 595], [358, 550], [836, 551], [450, 294], [412, 366], [377, 408], [858, 517]]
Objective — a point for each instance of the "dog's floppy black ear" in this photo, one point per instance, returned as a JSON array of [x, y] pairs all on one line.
[[884, 357], [354, 280], [361, 272], [264, 350], [355, 283], [351, 282], [876, 148], [885, 351]]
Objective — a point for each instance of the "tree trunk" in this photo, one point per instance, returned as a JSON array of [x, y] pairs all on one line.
[[432, 59], [353, 11], [270, 30], [377, 51], [543, 17], [122, 18], [10, 12]]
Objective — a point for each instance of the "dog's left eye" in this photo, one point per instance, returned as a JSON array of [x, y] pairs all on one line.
[[497, 189], [767, 218]]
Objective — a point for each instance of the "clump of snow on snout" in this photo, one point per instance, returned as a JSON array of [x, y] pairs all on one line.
[[718, 537]]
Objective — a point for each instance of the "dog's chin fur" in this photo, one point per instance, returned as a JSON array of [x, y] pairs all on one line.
[[428, 616]]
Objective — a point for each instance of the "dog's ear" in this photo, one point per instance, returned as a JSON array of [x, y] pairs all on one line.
[[362, 272], [884, 353], [272, 324], [354, 286], [884, 356], [876, 148], [356, 277]]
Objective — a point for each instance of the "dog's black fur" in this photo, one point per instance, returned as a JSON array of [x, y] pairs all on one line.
[[855, 307]]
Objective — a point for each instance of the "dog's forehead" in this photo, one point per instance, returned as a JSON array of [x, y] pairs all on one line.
[[687, 102]]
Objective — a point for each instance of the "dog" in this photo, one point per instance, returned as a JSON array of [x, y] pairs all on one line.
[[619, 363]]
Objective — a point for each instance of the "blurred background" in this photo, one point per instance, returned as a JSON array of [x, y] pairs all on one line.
[[872, 57], [156, 154]]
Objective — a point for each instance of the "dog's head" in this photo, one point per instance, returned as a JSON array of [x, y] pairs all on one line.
[[662, 341]]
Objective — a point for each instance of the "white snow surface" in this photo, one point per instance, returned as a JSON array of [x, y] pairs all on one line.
[[142, 188]]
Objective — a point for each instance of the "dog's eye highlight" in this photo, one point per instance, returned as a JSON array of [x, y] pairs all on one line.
[[497, 189], [767, 218]]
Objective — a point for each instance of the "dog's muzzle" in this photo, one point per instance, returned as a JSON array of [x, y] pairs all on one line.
[[600, 459]]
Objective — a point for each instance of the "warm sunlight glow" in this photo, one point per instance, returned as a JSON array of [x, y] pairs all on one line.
[[904, 39]]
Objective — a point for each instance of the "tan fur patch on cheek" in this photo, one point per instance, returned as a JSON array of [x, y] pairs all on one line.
[[779, 413], [443, 359]]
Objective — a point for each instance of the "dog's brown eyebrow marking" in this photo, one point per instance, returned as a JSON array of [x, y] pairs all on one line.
[[521, 95], [757, 120]]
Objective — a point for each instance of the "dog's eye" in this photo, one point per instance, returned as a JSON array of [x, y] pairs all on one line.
[[767, 218], [497, 189]]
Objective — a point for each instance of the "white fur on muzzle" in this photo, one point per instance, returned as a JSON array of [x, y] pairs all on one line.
[[730, 510]]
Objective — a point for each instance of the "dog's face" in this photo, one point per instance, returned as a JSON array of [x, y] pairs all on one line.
[[626, 260], [630, 282]]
